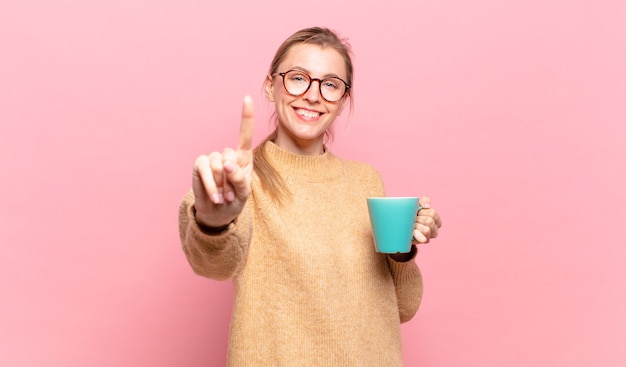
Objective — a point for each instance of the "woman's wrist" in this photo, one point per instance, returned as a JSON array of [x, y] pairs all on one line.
[[211, 228], [404, 257]]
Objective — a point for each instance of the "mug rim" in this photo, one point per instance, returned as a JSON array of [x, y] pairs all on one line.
[[391, 197]]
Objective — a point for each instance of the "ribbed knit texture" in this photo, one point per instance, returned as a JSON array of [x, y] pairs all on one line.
[[310, 290]]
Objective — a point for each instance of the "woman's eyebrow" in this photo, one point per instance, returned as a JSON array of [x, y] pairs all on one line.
[[299, 68]]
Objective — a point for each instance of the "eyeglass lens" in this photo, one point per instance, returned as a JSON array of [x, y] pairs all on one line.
[[297, 82]]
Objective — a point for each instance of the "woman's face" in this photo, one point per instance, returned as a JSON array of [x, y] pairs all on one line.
[[304, 119]]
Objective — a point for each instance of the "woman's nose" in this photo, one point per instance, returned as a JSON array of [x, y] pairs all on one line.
[[313, 94]]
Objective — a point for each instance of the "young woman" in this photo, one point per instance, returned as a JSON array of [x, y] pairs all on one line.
[[288, 222]]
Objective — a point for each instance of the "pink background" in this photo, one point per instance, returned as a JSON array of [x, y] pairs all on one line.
[[509, 114]]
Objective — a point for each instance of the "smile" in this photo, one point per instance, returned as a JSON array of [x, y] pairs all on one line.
[[307, 113]]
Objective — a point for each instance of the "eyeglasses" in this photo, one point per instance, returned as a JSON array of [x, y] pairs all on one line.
[[298, 82]]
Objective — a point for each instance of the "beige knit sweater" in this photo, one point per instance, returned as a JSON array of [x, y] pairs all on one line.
[[310, 290]]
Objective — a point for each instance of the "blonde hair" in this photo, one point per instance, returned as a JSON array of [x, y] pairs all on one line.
[[270, 179]]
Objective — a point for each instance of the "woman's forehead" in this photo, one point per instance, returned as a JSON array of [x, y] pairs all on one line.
[[316, 60]]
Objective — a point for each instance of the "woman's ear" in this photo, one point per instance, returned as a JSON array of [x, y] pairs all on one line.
[[269, 88]]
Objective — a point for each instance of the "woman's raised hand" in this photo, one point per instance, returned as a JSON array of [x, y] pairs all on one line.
[[222, 181]]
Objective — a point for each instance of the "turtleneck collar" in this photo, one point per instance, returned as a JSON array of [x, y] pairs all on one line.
[[312, 167]]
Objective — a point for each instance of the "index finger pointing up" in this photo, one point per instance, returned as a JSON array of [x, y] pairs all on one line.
[[247, 124]]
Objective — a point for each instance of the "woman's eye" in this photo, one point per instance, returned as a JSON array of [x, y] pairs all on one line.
[[330, 84], [298, 78]]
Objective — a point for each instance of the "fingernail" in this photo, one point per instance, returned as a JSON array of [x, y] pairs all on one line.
[[230, 196], [215, 198], [221, 199], [229, 167], [426, 205]]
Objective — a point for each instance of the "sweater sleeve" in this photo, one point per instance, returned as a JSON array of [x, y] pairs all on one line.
[[217, 256], [407, 279]]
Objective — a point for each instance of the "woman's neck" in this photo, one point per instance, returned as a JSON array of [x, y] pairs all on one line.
[[301, 146]]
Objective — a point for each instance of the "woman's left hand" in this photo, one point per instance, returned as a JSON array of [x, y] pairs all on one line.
[[427, 222]]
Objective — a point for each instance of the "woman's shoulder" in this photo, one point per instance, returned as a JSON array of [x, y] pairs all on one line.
[[360, 169], [363, 178]]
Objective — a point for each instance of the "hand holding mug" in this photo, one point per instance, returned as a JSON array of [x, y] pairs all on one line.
[[427, 222]]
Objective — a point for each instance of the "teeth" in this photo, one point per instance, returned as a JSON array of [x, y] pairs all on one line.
[[307, 114]]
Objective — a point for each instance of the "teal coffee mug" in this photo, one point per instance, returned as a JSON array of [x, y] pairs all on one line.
[[393, 220]]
